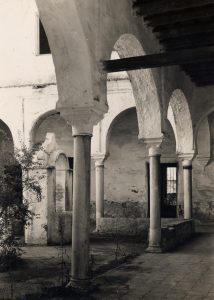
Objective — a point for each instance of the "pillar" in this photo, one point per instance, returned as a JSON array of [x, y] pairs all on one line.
[[187, 182], [81, 211], [99, 167], [82, 120], [153, 145], [155, 200]]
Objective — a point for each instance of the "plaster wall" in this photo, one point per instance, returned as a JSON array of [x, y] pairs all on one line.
[[20, 107], [203, 175], [126, 173], [19, 57], [36, 233]]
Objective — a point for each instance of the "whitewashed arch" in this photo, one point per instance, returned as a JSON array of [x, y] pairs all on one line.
[[38, 122], [203, 142], [144, 89], [181, 122]]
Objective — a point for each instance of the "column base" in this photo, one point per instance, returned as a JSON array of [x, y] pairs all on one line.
[[80, 286], [154, 249], [98, 223]]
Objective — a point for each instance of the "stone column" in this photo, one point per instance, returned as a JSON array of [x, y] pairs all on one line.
[[81, 210], [99, 166], [187, 182], [82, 120], [155, 197]]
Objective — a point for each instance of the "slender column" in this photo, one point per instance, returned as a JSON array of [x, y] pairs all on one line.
[[187, 175], [99, 166], [82, 120], [155, 217], [81, 212]]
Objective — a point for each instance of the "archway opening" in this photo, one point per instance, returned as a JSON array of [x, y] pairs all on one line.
[[52, 122], [125, 168]]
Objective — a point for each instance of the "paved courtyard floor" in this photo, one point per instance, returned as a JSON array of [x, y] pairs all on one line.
[[186, 273], [43, 268]]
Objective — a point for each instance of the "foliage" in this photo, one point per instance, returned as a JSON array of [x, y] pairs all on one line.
[[16, 182]]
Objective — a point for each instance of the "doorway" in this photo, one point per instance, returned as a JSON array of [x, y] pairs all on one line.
[[169, 175], [168, 187]]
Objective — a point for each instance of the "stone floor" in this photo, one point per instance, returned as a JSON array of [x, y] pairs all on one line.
[[45, 267], [187, 273]]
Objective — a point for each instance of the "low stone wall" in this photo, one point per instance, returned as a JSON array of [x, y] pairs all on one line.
[[127, 227], [176, 234]]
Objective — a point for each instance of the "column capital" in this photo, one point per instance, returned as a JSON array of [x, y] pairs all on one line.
[[153, 145], [99, 159], [82, 119], [203, 160], [186, 158]]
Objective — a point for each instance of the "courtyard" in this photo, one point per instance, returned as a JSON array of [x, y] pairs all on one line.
[[131, 273]]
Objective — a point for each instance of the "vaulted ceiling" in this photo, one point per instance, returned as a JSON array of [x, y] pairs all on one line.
[[183, 25]]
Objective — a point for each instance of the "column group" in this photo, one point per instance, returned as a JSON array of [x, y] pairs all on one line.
[[154, 150]]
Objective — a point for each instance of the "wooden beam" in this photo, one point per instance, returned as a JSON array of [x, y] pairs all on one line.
[[163, 6], [180, 57], [204, 83], [184, 29], [189, 41], [199, 67], [181, 16]]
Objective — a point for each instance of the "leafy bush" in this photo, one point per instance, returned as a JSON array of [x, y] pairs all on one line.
[[16, 183]]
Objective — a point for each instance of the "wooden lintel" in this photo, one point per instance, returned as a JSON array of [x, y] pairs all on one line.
[[180, 57]]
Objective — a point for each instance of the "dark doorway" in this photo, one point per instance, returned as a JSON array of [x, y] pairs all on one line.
[[168, 183], [169, 190]]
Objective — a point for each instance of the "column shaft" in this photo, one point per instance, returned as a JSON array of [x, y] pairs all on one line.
[[187, 173], [155, 218], [99, 191], [81, 211]]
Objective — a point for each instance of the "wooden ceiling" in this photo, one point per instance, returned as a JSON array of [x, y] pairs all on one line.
[[183, 25]]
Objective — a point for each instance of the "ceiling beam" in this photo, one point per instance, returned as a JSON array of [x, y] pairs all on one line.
[[184, 29], [189, 41], [163, 6], [205, 66], [204, 83], [180, 57], [181, 16]]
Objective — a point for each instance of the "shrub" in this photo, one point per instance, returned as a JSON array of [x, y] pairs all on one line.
[[15, 181]]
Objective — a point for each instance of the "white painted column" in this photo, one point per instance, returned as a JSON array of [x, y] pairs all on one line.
[[99, 166], [155, 199], [187, 182]]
